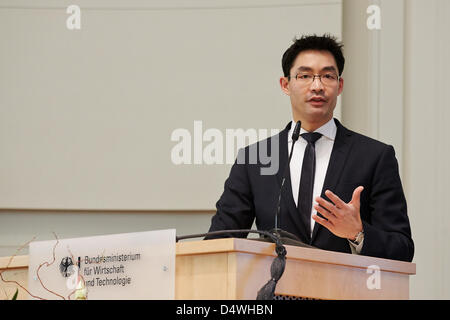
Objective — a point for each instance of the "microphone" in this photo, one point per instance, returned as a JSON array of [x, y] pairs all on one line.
[[295, 135]]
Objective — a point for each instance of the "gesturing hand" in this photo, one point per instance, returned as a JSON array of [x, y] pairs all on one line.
[[342, 219]]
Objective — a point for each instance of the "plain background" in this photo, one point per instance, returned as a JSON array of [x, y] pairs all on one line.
[[86, 116]]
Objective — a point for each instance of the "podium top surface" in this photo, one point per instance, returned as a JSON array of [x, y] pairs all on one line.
[[297, 253]]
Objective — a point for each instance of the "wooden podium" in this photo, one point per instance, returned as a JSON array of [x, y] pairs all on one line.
[[238, 268]]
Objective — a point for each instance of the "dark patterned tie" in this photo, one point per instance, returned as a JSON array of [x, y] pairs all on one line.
[[305, 193]]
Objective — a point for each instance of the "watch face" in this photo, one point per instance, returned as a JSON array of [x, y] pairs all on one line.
[[65, 267]]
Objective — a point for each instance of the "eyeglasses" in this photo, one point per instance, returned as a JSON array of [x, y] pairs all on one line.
[[306, 79]]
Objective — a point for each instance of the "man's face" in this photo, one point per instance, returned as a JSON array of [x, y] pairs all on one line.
[[313, 101]]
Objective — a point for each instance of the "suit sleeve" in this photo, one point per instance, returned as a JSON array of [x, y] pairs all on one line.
[[235, 209], [388, 233]]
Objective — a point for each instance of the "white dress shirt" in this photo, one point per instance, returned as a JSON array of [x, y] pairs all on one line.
[[323, 148]]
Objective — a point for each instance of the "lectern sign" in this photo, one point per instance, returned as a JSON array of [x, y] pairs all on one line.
[[137, 265]]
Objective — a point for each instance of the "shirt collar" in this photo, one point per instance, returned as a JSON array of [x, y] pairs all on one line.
[[328, 130]]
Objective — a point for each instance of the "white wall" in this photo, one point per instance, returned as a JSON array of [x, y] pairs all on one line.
[[395, 91], [20, 226], [427, 148], [86, 116]]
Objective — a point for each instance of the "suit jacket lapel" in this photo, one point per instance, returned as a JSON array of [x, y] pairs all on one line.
[[341, 149], [283, 153]]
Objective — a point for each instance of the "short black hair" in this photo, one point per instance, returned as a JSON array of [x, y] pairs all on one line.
[[313, 42]]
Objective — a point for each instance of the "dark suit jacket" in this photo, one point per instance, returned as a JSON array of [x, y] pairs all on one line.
[[355, 160]]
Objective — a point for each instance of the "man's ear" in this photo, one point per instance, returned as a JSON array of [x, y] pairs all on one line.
[[284, 84], [341, 86]]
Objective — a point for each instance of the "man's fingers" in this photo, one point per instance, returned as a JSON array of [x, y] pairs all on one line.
[[357, 195], [335, 199], [327, 205], [326, 223], [327, 214]]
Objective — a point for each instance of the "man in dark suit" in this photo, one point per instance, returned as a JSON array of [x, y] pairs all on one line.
[[342, 191]]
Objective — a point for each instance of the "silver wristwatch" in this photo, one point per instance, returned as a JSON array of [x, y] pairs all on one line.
[[359, 238]]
